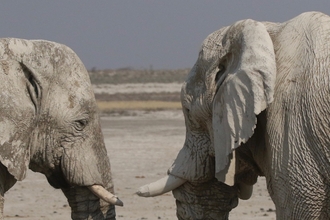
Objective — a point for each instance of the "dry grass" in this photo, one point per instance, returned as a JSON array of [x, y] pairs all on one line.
[[136, 105]]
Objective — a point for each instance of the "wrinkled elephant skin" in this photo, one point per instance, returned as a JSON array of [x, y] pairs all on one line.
[[211, 200], [50, 124], [259, 90]]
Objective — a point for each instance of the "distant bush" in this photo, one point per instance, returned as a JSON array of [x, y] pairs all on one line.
[[128, 75]]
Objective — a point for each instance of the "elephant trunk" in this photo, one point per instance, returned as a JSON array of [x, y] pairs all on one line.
[[209, 200], [198, 194], [86, 205], [91, 196]]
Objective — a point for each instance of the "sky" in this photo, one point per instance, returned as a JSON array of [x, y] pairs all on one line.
[[139, 34]]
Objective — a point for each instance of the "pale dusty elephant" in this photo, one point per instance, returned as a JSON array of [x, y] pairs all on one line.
[[259, 91], [50, 124]]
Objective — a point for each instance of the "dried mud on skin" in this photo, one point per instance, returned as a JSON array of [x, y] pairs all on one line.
[[141, 149], [142, 144]]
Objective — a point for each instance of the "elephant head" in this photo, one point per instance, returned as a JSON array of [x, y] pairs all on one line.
[[50, 124], [230, 84]]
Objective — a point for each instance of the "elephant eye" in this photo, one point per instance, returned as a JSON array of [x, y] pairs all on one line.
[[80, 124]]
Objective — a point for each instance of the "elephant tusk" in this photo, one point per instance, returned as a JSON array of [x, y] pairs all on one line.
[[161, 186], [103, 194]]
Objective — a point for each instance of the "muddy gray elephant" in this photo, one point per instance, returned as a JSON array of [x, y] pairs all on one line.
[[49, 123], [259, 93]]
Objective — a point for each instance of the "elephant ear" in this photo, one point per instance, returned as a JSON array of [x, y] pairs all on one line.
[[17, 112], [246, 89]]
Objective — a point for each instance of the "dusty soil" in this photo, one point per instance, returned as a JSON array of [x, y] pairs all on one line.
[[141, 148]]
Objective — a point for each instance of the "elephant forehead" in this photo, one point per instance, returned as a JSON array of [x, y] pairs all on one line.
[[10, 47], [80, 102], [20, 49], [211, 51], [214, 42], [215, 39], [77, 90], [47, 57]]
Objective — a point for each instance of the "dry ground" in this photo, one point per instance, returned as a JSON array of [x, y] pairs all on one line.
[[141, 149], [142, 142]]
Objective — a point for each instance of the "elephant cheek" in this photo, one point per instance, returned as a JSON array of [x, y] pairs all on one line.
[[81, 168], [194, 163]]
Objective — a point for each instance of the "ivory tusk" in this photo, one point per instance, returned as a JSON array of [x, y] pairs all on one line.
[[103, 194], [161, 186]]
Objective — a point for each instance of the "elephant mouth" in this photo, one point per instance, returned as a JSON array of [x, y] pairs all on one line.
[[58, 181]]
